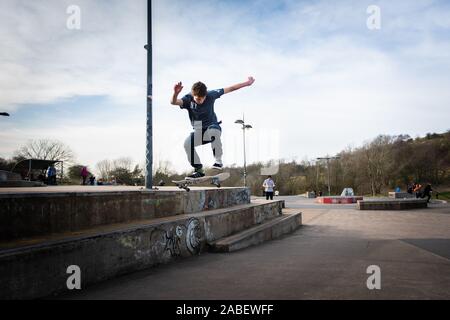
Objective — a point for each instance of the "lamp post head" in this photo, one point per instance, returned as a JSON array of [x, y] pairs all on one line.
[[4, 114], [239, 122], [248, 126]]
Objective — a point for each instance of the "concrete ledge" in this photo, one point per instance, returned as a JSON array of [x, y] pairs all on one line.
[[392, 204], [401, 195], [275, 228], [8, 176], [20, 184], [32, 214], [39, 270], [338, 199]]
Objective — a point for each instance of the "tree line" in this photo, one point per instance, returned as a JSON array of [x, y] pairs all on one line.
[[379, 165]]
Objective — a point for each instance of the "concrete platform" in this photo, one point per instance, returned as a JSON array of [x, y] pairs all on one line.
[[392, 204], [113, 231], [34, 212], [401, 195], [338, 199]]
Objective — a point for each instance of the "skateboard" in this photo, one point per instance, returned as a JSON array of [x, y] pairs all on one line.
[[215, 180]]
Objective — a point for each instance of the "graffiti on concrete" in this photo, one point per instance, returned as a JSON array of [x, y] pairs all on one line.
[[194, 236], [242, 197], [173, 241], [166, 242]]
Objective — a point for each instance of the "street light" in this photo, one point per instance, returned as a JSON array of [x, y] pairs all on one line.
[[5, 114], [328, 168], [149, 143], [244, 127]]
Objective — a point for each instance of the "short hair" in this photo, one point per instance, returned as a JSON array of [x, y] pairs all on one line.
[[199, 89]]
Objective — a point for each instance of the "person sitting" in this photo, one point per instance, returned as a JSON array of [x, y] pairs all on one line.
[[427, 192], [410, 188], [417, 188]]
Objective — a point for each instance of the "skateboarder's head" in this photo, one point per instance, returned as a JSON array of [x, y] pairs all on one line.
[[199, 92]]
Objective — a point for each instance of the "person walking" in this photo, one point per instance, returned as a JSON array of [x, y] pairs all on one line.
[[269, 186]]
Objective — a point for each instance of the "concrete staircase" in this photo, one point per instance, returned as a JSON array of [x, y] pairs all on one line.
[[154, 227]]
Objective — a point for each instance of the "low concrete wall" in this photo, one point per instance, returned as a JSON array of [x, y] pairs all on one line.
[[29, 215], [41, 270], [392, 204], [9, 176], [339, 199], [401, 195]]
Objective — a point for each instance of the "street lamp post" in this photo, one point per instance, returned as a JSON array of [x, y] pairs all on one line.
[[328, 169], [149, 144], [244, 127]]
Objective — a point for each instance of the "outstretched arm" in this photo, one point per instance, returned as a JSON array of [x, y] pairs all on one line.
[[238, 86], [176, 91]]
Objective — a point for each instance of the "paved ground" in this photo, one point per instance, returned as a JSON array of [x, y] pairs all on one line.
[[326, 258]]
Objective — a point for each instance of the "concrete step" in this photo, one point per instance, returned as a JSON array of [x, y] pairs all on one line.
[[52, 210], [218, 223], [392, 204], [37, 267], [289, 221]]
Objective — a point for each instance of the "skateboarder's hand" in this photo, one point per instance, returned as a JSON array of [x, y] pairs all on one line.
[[178, 88], [250, 81]]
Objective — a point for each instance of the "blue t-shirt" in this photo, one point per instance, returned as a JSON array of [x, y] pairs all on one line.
[[202, 112]]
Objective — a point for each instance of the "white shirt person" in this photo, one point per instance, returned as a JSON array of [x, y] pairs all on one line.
[[269, 186]]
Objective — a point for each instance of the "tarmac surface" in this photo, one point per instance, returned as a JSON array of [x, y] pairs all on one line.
[[327, 258]]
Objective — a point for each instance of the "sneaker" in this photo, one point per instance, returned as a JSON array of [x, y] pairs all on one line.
[[196, 174], [217, 166]]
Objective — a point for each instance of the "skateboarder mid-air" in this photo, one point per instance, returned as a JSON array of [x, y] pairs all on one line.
[[200, 105]]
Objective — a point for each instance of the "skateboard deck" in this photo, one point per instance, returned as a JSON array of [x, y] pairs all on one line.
[[215, 180]]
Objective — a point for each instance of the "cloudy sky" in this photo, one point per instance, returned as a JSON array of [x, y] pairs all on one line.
[[324, 80]]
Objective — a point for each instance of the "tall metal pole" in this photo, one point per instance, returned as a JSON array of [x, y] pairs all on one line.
[[149, 150], [244, 127], [245, 160]]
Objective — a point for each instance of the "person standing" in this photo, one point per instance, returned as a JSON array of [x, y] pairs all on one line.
[[269, 186], [51, 175], [84, 175]]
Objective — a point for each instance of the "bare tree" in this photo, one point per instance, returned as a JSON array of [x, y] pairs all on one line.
[[104, 168], [123, 163], [377, 162], [45, 149]]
